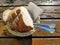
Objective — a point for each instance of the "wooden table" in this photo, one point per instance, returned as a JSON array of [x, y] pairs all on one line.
[[47, 41], [35, 41], [44, 33], [38, 32]]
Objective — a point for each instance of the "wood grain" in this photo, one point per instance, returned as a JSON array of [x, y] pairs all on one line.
[[44, 33], [36, 41], [41, 41], [39, 32]]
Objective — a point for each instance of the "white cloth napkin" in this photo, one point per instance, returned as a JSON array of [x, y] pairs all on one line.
[[35, 12]]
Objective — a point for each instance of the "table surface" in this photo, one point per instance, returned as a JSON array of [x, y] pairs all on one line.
[[38, 32], [44, 33]]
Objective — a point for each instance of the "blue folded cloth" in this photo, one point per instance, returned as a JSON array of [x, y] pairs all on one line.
[[47, 25], [51, 30]]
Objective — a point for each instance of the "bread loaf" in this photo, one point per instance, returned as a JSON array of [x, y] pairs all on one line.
[[19, 18]]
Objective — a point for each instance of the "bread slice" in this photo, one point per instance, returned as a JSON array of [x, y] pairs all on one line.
[[26, 17], [25, 20], [6, 14]]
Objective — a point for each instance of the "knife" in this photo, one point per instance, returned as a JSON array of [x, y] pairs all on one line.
[[48, 25], [51, 30]]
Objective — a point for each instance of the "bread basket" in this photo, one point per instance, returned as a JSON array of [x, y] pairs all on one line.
[[16, 33]]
